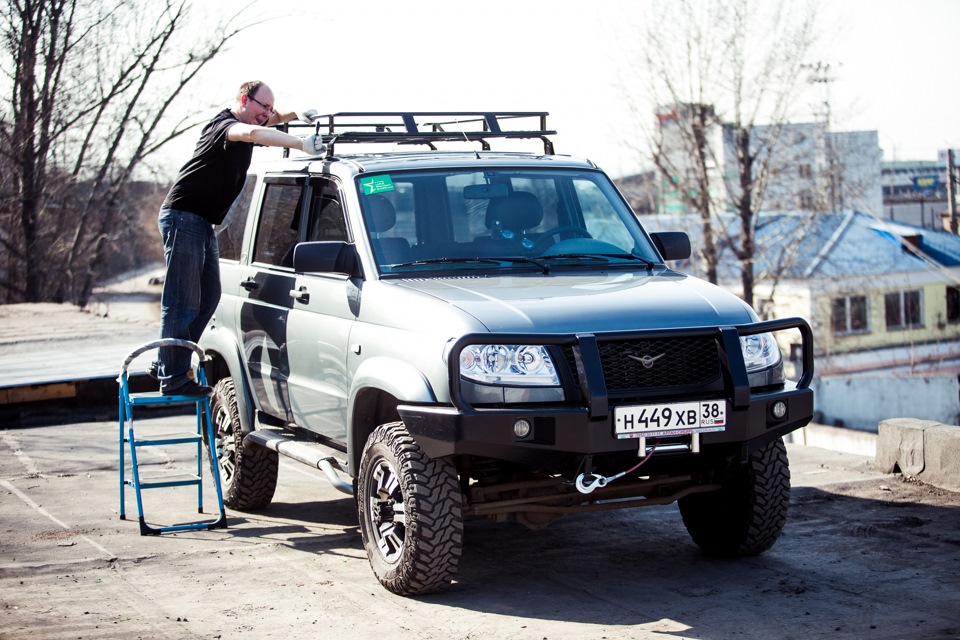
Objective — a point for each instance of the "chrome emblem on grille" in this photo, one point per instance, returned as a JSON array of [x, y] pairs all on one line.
[[647, 361]]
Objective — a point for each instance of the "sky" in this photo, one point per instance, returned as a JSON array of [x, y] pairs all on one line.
[[889, 61]]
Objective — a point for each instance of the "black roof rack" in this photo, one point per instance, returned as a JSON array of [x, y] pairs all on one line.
[[427, 127]]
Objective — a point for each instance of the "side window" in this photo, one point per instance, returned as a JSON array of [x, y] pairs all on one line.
[[230, 231], [326, 221], [278, 225]]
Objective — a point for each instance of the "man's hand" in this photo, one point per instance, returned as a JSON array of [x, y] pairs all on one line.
[[308, 115], [313, 145]]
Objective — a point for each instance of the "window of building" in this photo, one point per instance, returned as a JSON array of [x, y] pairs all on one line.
[[953, 304], [903, 309], [850, 314]]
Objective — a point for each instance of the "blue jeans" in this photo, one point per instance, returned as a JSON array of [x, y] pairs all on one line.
[[191, 288]]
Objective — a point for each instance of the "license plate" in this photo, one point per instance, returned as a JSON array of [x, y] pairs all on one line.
[[674, 419]]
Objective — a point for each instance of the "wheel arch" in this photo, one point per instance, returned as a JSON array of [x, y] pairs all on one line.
[[379, 386], [223, 360]]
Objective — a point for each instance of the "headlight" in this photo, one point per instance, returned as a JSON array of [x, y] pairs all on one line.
[[508, 364], [760, 351]]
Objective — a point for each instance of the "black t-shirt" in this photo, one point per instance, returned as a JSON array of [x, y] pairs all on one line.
[[212, 179]]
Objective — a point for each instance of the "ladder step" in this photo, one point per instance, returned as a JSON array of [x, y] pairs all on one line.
[[159, 482], [157, 398], [184, 437]]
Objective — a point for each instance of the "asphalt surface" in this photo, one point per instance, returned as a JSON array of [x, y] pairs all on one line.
[[863, 555]]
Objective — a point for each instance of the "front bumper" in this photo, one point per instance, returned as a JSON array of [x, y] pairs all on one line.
[[559, 434], [564, 432]]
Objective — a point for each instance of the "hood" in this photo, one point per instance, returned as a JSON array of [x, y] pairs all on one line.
[[600, 302]]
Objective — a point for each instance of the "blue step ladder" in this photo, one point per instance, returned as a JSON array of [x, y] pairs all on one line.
[[130, 473]]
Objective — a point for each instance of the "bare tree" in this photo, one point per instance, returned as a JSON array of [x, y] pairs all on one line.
[[91, 86], [716, 70], [685, 159]]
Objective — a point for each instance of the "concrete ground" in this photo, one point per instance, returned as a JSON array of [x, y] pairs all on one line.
[[863, 555]]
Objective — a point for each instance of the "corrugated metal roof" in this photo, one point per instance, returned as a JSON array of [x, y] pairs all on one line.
[[828, 245]]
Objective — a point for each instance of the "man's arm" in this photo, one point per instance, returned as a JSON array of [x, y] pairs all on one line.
[[280, 118], [264, 136]]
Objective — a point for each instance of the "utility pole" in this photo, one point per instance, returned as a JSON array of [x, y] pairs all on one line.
[[952, 191], [820, 74]]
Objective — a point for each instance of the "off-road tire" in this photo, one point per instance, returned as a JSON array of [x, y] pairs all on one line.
[[747, 515], [410, 511], [248, 474]]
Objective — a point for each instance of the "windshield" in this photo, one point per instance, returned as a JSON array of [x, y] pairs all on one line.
[[499, 218]]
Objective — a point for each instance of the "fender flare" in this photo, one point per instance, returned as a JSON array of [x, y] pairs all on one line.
[[223, 345], [402, 381]]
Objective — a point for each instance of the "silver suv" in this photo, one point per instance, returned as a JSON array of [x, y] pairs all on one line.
[[468, 333]]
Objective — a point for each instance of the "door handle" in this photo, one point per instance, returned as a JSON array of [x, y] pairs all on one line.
[[300, 295], [250, 284]]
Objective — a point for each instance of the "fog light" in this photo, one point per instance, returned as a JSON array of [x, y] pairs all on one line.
[[779, 409], [522, 428]]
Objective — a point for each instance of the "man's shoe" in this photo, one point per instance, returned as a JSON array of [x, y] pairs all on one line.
[[188, 388], [153, 370]]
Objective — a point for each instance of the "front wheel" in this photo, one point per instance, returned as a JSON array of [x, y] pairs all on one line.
[[410, 512], [747, 515], [249, 474]]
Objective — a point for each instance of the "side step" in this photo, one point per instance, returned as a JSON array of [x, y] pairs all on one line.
[[301, 452]]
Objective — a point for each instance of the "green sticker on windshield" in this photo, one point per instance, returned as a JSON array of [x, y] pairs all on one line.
[[376, 184]]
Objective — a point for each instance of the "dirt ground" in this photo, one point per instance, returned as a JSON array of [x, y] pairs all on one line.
[[863, 555]]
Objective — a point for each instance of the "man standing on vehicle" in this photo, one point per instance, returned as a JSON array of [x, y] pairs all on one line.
[[200, 197]]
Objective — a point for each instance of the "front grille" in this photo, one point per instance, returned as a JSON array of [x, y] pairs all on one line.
[[674, 364]]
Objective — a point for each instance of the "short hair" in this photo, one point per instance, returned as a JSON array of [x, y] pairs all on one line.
[[249, 88]]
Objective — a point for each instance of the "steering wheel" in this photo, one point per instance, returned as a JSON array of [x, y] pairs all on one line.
[[542, 242]]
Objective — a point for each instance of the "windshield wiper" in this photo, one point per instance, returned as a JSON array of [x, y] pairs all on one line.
[[473, 260], [416, 263], [606, 257]]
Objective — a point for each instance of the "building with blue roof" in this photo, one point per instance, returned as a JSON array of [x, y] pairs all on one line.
[[882, 297]]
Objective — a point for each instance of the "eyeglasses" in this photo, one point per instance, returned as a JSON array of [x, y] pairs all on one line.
[[269, 110]]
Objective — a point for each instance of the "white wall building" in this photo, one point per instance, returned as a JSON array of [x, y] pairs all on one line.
[[915, 192], [812, 169]]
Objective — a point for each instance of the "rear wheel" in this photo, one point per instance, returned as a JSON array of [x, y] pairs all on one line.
[[410, 512], [747, 515], [249, 474]]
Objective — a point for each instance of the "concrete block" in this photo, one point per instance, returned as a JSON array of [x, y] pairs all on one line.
[[900, 444], [941, 446], [861, 443]]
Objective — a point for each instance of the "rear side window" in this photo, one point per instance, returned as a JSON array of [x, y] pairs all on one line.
[[278, 225], [230, 231]]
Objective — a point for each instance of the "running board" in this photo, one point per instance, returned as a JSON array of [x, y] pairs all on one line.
[[301, 452]]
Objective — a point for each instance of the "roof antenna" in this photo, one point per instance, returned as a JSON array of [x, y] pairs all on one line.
[[467, 139]]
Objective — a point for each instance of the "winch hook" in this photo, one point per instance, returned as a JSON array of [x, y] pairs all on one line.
[[587, 487], [596, 480]]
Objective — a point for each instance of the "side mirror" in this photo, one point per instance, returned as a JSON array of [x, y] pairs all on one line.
[[327, 257], [672, 245]]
